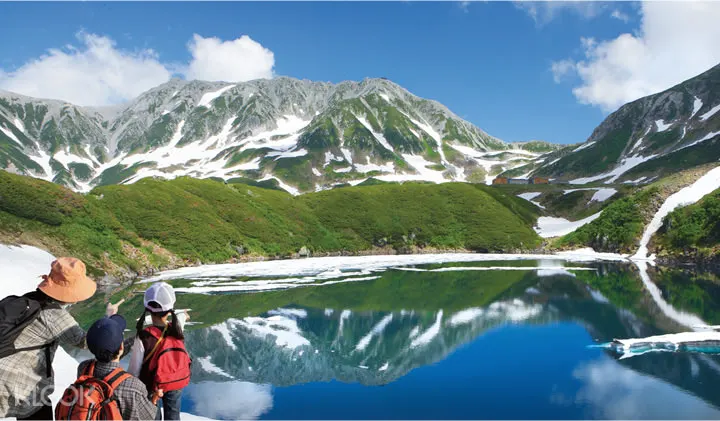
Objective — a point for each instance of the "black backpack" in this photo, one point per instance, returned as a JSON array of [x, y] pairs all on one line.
[[16, 313]]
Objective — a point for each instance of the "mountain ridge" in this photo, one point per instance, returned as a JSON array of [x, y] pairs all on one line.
[[294, 131], [648, 138]]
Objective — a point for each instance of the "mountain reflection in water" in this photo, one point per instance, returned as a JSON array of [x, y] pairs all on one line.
[[454, 341]]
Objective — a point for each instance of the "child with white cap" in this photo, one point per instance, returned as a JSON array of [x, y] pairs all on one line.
[[159, 357]]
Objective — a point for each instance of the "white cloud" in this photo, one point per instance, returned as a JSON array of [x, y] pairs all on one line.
[[675, 41], [619, 15], [95, 73], [561, 69], [613, 391], [543, 12], [238, 60], [235, 400]]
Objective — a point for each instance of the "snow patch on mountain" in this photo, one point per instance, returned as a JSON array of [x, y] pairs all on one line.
[[548, 227], [19, 124], [686, 196], [710, 113], [704, 138], [584, 146], [288, 188], [389, 167], [661, 126], [626, 165], [209, 97], [43, 160], [530, 196], [291, 154], [697, 104], [378, 136], [420, 165], [11, 135]]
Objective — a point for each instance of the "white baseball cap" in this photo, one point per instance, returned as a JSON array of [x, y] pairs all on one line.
[[162, 297]]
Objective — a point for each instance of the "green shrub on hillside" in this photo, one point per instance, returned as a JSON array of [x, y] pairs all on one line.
[[694, 226], [618, 228], [444, 216]]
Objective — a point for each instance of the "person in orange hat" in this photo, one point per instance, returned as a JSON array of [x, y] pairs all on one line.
[[31, 328]]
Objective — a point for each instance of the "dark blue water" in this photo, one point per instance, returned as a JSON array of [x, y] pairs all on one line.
[[506, 344]]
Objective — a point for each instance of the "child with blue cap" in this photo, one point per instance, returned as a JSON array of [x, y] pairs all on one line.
[[105, 341]]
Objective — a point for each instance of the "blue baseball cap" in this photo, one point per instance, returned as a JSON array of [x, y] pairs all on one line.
[[105, 336]]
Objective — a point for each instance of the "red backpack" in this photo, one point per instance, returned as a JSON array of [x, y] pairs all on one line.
[[91, 398], [167, 364]]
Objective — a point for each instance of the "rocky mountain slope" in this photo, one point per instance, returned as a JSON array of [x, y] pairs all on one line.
[[306, 135], [654, 136]]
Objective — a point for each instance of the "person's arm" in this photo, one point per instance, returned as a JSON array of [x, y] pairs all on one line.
[[128, 344], [143, 408], [136, 357], [64, 328]]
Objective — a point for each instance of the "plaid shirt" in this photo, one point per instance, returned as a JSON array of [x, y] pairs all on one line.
[[24, 385], [132, 394]]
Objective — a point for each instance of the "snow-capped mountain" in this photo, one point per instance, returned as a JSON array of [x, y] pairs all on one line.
[[306, 135], [648, 138]]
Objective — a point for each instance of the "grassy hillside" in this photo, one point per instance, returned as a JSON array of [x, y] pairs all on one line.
[[156, 224], [693, 230], [441, 216]]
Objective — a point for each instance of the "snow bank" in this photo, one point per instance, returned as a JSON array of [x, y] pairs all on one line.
[[351, 265], [686, 196], [11, 135], [697, 104], [378, 136], [625, 165], [584, 146], [601, 194], [530, 196], [22, 267], [548, 227], [710, 113], [661, 126], [690, 341], [540, 268], [702, 139], [210, 96], [288, 188]]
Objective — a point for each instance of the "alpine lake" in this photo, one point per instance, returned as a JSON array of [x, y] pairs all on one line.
[[506, 339]]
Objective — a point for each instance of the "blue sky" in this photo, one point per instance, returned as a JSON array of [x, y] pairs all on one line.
[[491, 63]]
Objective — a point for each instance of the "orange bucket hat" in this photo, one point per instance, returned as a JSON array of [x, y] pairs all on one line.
[[67, 281]]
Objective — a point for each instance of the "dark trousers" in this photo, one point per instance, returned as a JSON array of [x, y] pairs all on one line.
[[45, 413], [171, 406]]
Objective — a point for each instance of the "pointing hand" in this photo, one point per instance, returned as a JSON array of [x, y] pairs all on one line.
[[112, 309]]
